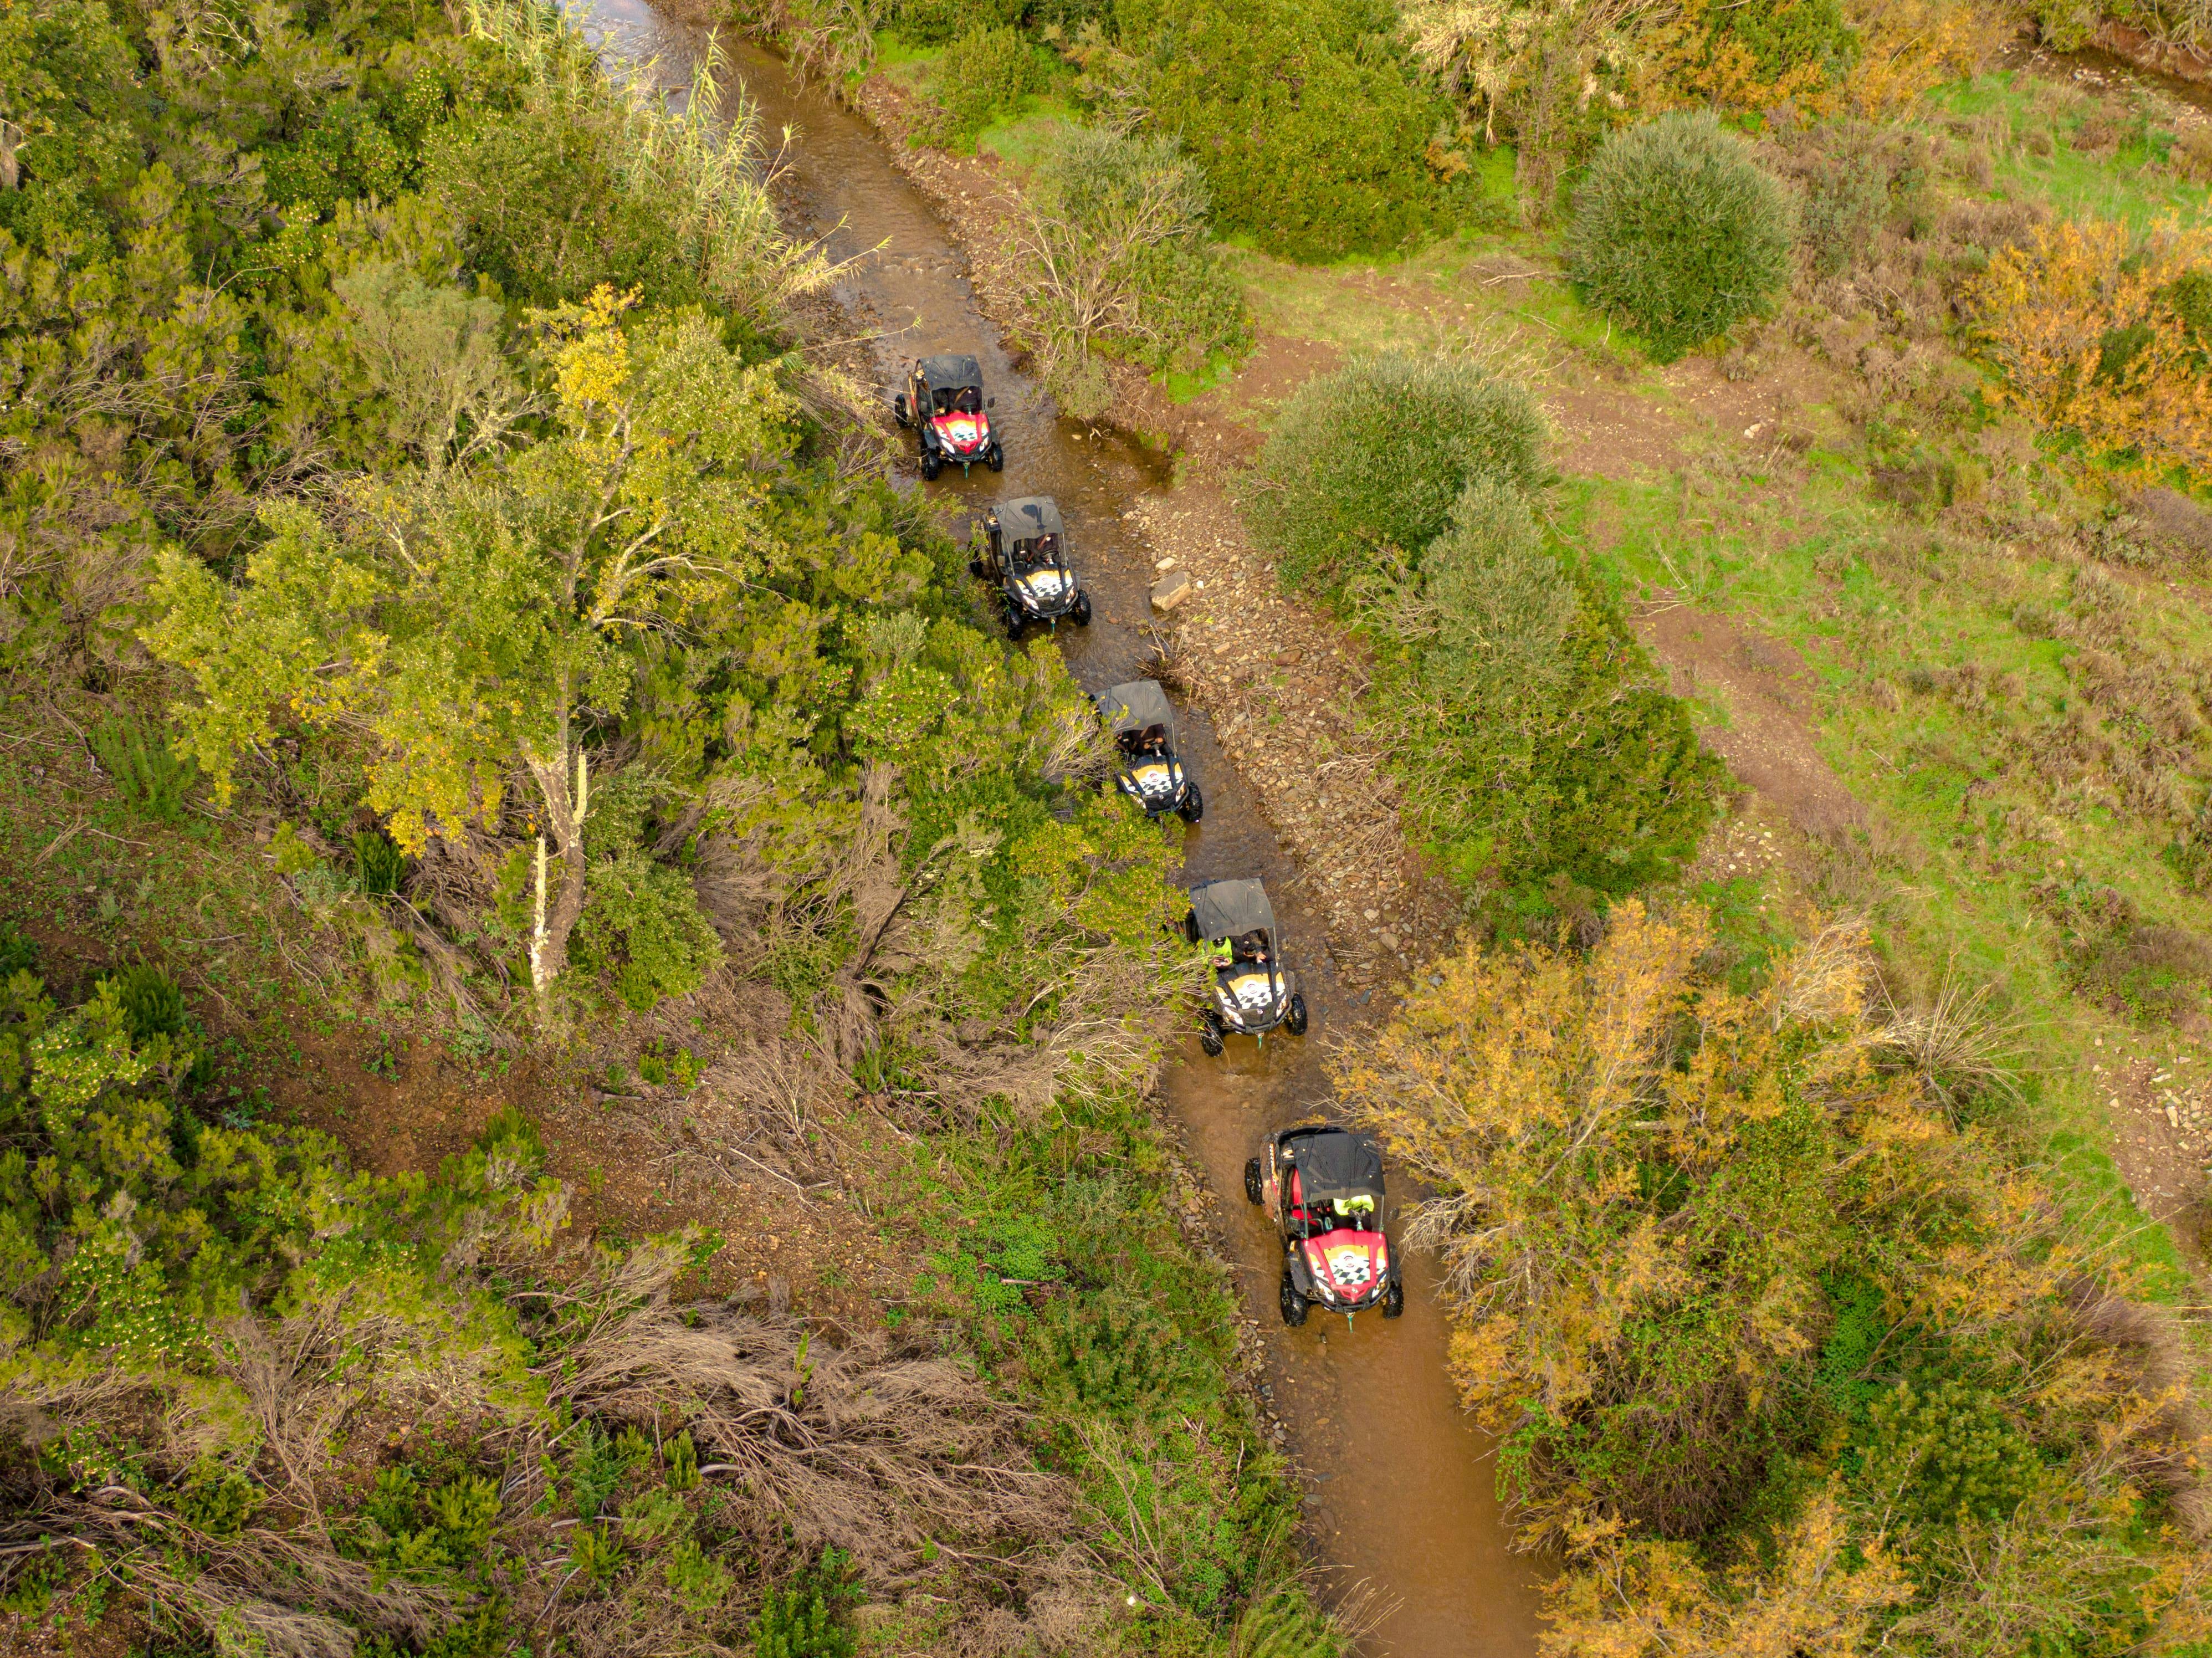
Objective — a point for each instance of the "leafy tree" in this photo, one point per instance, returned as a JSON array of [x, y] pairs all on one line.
[[477, 621]]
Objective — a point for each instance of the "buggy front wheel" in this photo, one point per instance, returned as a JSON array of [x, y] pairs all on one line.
[[1292, 1304], [1192, 807], [1015, 621], [1211, 1037], [1190, 925], [1295, 1020], [931, 466], [1252, 1180], [1393, 1300], [1081, 615], [995, 459]]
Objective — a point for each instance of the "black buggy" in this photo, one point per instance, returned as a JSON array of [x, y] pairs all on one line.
[[1025, 552], [1252, 992], [1323, 1186], [1143, 737], [944, 401]]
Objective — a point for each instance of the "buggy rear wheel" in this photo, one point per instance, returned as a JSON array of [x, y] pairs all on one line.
[[1210, 1036], [1192, 807], [898, 408], [1190, 925], [1252, 1180], [1393, 1300], [1295, 1020], [1081, 615], [1292, 1304]]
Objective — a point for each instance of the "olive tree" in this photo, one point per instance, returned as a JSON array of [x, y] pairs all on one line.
[[473, 621]]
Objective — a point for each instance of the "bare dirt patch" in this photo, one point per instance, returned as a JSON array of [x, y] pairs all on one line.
[[1281, 681], [1763, 684]]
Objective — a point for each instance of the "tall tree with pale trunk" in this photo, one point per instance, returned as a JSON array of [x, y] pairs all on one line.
[[476, 623]]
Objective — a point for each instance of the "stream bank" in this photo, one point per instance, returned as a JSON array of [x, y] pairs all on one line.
[[1398, 1500]]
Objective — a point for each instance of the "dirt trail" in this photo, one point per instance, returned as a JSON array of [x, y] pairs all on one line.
[[1399, 1488]]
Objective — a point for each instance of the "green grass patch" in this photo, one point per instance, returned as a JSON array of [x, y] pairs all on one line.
[[1958, 880], [2123, 185]]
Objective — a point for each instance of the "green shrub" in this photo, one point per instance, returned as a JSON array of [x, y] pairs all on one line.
[[1309, 121], [1943, 1453], [1112, 1353], [1538, 753], [1845, 175], [932, 23], [378, 863], [147, 772], [1677, 233], [641, 923], [695, 1579], [217, 1500], [984, 74], [153, 1003], [1119, 258], [806, 1617], [1376, 454], [18, 954]]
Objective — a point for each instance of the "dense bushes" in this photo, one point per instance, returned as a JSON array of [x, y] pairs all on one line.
[[1539, 757], [1304, 114], [1677, 232], [983, 75], [1113, 253], [1376, 454], [1740, 1295], [447, 1386], [1549, 755]]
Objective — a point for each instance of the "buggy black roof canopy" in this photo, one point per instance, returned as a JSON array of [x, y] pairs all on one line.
[[1133, 707], [1226, 908], [1027, 517], [1335, 1163], [951, 373]]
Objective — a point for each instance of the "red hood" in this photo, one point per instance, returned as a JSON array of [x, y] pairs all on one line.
[[1356, 1263], [963, 431]]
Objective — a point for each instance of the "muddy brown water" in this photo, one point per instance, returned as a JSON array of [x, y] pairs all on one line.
[[1398, 1486]]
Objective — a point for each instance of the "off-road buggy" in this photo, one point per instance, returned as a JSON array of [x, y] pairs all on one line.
[[1145, 740], [1323, 1186], [1252, 992], [944, 401], [1025, 552]]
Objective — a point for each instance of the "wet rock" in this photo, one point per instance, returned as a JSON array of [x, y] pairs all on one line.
[[1171, 590]]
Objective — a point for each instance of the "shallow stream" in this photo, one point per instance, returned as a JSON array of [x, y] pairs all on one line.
[[1399, 1486]]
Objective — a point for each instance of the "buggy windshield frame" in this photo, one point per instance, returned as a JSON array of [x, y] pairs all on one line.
[[1336, 1165], [1226, 909], [1031, 521], [1132, 709], [951, 386]]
